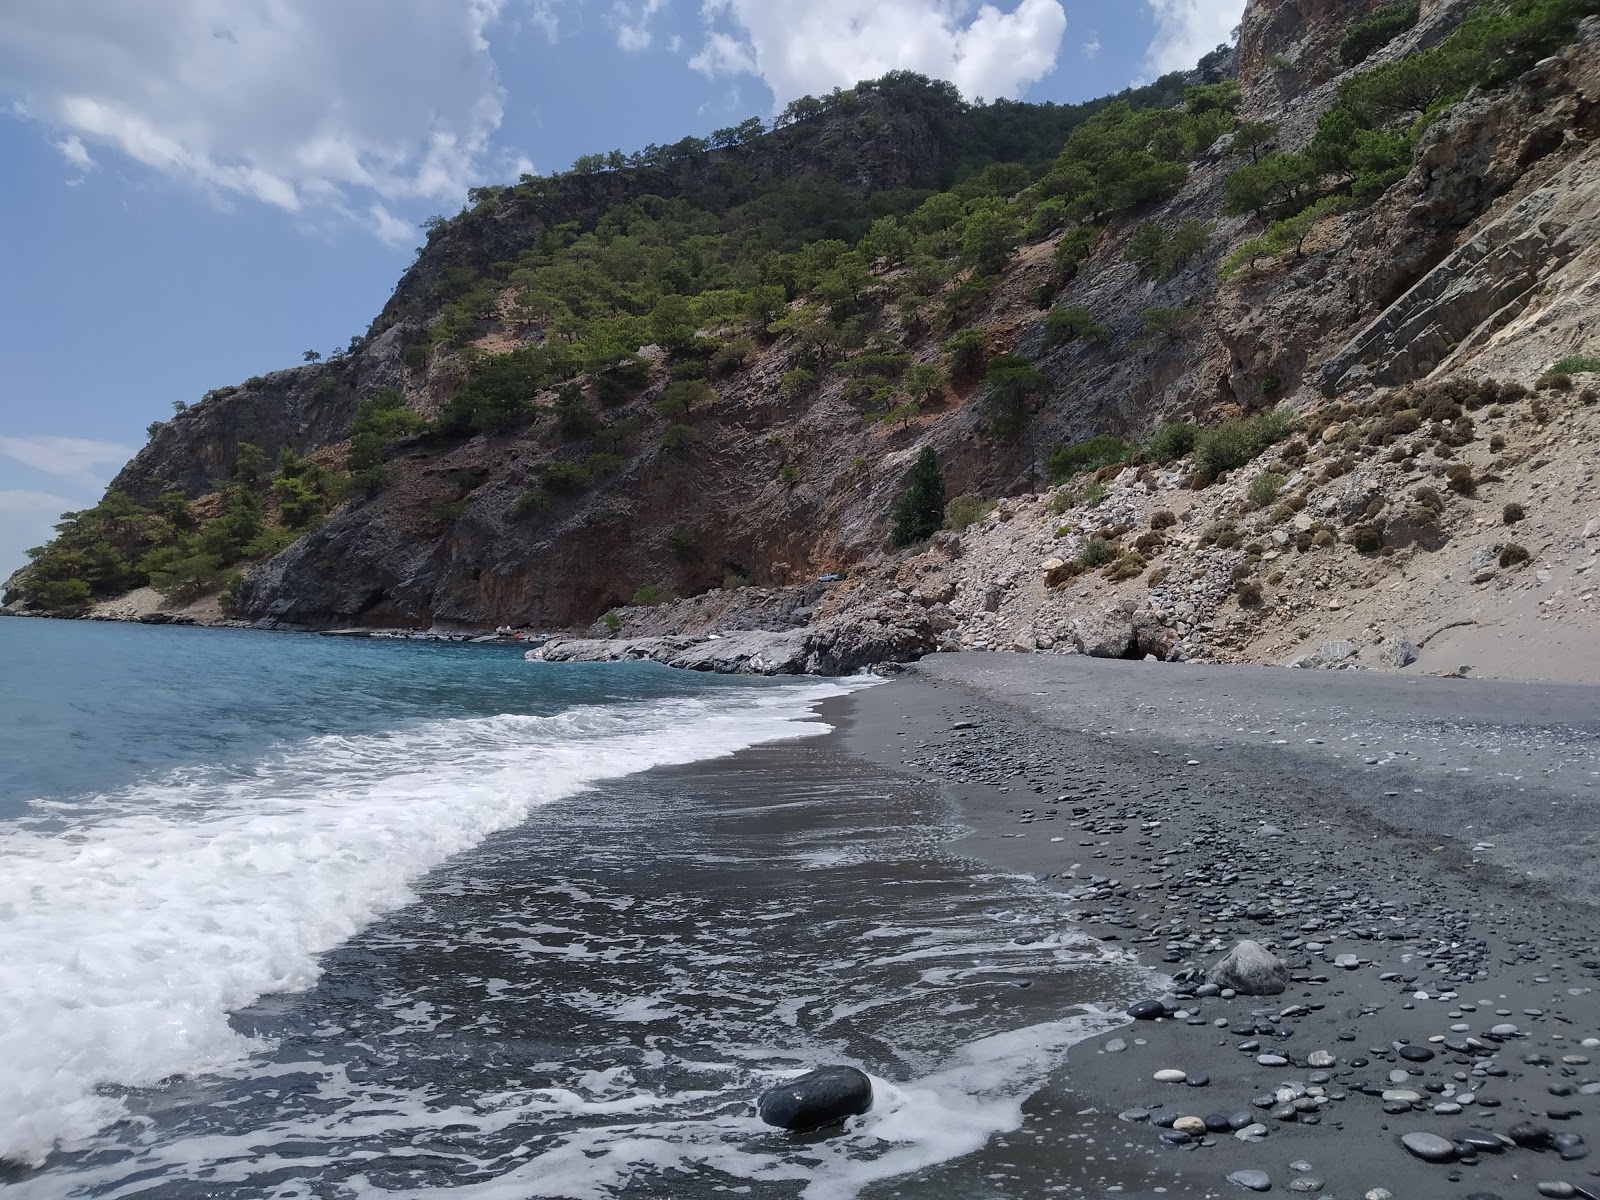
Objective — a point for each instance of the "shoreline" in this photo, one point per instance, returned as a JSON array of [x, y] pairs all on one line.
[[1396, 834]]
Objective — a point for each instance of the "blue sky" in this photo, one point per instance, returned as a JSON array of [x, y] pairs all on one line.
[[197, 191]]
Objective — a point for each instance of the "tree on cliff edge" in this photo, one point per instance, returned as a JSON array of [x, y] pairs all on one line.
[[920, 511]]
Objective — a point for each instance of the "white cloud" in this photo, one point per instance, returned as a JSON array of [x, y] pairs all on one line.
[[78, 459], [1091, 46], [632, 23], [305, 105], [72, 150], [1186, 30], [21, 502], [811, 46], [27, 519]]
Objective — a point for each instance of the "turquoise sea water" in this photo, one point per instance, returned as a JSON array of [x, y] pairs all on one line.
[[291, 916]]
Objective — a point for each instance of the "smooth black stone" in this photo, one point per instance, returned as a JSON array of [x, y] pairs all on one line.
[[1416, 1054], [1198, 1079], [1529, 1135], [1147, 1010], [1478, 1139], [816, 1098], [1217, 1123]]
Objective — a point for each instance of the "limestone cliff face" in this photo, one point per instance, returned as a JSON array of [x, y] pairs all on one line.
[[1481, 259]]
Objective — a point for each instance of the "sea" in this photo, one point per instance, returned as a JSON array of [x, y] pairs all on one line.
[[295, 916]]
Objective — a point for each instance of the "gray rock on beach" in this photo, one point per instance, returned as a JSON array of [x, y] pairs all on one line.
[[1107, 633], [1251, 970], [816, 1098], [1399, 651]]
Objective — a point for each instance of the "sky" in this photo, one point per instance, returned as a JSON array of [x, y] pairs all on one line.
[[197, 191]]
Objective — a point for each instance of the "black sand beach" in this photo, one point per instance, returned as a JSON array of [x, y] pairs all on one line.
[[1418, 851]]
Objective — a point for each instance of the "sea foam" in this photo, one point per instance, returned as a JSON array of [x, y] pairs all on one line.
[[131, 927]]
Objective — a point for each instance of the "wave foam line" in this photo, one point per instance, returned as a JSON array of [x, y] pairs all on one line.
[[127, 939]]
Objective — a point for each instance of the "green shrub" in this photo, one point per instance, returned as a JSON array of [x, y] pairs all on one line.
[[299, 503], [733, 582], [565, 477], [444, 512], [1096, 552], [788, 475], [1172, 441], [228, 598], [963, 511], [1264, 489], [64, 597], [621, 379], [1073, 250], [681, 398], [1161, 254], [1068, 324], [1169, 321], [797, 383], [1512, 513], [1577, 364], [1102, 450], [1554, 381], [1128, 566], [531, 501], [966, 354], [684, 542], [1512, 555], [611, 621], [648, 595], [380, 420], [1232, 444], [1377, 29], [1459, 479], [1008, 383], [1367, 539], [677, 436], [1249, 594], [181, 577], [919, 512]]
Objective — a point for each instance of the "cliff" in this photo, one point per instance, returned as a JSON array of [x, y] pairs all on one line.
[[1473, 260]]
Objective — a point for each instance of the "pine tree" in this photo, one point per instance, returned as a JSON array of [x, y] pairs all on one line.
[[920, 512]]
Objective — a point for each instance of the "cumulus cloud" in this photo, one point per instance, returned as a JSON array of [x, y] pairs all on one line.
[[1091, 46], [79, 459], [632, 23], [1186, 30], [812, 46], [304, 105]]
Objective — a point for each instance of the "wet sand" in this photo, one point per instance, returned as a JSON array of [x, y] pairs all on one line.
[[1441, 831]]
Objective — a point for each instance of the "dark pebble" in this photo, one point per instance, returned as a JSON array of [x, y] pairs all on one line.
[[1147, 1010], [1529, 1135]]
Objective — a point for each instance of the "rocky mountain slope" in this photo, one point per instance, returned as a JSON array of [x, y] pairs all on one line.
[[1474, 264]]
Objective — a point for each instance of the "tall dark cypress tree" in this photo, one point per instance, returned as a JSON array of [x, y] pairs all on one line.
[[920, 512]]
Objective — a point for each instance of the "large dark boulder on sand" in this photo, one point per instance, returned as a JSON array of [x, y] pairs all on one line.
[[816, 1098]]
